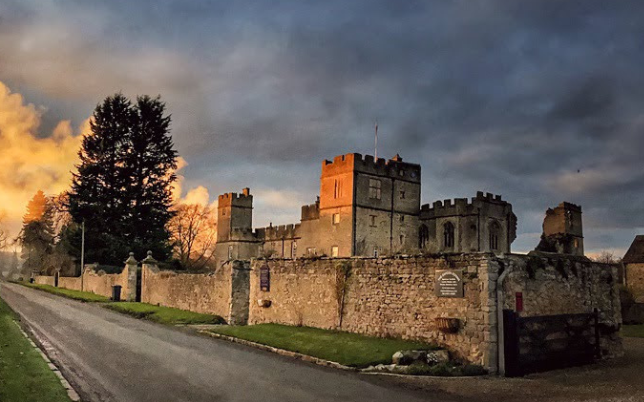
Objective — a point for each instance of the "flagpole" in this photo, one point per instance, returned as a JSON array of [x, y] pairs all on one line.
[[376, 144]]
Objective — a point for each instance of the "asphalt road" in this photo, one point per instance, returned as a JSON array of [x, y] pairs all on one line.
[[108, 356]]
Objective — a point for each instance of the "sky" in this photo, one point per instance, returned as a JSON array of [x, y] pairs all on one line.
[[539, 101]]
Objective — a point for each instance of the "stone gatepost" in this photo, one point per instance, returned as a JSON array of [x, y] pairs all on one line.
[[132, 266], [240, 293], [148, 263]]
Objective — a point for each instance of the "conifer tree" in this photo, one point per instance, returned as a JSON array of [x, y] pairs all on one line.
[[149, 165], [37, 234], [98, 188], [123, 186]]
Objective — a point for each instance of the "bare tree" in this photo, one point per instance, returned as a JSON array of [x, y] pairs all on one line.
[[60, 214], [4, 235], [607, 257], [193, 233]]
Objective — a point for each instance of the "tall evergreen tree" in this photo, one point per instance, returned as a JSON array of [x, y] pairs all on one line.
[[98, 189], [149, 165], [37, 234], [123, 186]]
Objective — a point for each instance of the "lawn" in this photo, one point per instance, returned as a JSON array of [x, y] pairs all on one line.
[[24, 375], [341, 347], [164, 315], [633, 331], [71, 294]]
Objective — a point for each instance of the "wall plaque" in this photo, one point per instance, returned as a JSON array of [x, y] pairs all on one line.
[[449, 283], [265, 278]]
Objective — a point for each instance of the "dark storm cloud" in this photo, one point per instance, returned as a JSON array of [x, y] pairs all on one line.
[[540, 101]]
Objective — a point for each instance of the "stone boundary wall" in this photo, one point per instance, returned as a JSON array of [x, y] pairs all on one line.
[[93, 281], [208, 293], [72, 283], [388, 297], [44, 280], [101, 283], [557, 284], [395, 297]]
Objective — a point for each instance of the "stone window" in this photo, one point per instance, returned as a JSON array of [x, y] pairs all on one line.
[[402, 218], [374, 189], [311, 251], [336, 219], [402, 195], [402, 239], [337, 188], [335, 251], [448, 235], [423, 236], [495, 234], [230, 252], [372, 221], [401, 172]]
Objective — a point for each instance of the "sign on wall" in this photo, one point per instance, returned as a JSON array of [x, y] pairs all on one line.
[[449, 283], [265, 278]]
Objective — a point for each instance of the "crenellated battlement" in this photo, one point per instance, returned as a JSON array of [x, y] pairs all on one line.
[[394, 168], [460, 206], [311, 211], [242, 234], [245, 199], [277, 232]]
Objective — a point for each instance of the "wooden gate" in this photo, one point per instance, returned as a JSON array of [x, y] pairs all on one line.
[[541, 343]]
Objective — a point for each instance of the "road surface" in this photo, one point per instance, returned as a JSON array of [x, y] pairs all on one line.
[[108, 356]]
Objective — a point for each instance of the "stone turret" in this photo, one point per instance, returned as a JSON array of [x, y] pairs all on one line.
[[562, 230]]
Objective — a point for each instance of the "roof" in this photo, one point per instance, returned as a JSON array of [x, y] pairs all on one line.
[[635, 253]]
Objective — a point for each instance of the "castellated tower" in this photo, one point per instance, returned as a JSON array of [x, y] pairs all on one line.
[[484, 223], [234, 211], [368, 206], [562, 230], [235, 238]]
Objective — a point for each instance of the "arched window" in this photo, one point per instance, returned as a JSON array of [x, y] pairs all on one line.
[[495, 234], [423, 236], [448, 235]]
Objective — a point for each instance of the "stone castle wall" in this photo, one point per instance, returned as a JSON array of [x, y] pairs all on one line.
[[44, 280], [388, 297], [391, 297], [556, 284], [395, 297], [207, 293], [101, 283], [72, 283]]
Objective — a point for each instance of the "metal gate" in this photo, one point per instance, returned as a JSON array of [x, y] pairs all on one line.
[[541, 343]]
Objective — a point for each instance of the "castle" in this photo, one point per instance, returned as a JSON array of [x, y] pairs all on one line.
[[368, 207]]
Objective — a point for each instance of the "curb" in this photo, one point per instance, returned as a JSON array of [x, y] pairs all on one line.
[[71, 392], [288, 353]]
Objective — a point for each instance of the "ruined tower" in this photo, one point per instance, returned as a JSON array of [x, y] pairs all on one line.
[[562, 230]]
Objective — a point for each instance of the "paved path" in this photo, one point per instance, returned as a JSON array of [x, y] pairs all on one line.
[[112, 357]]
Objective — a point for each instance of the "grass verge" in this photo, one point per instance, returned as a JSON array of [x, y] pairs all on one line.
[[633, 331], [341, 347], [71, 294], [164, 315], [24, 375]]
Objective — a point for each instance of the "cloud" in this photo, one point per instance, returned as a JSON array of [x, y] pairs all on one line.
[[29, 163], [507, 97]]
